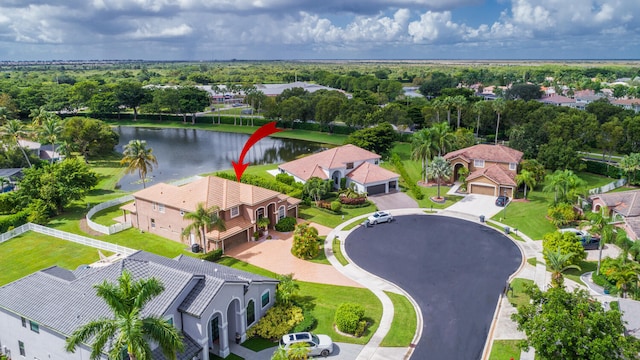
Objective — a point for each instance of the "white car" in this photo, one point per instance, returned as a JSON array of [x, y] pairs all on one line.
[[379, 217], [318, 344]]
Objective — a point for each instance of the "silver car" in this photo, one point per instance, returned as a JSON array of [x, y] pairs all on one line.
[[379, 217], [318, 344]]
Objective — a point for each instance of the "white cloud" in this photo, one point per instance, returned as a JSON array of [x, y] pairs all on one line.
[[148, 31]]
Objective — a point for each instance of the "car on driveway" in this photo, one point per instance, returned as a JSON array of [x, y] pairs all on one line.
[[502, 201], [319, 345], [379, 217], [588, 241]]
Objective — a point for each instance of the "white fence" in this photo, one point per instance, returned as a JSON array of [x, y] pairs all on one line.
[[67, 236], [108, 230], [610, 186]]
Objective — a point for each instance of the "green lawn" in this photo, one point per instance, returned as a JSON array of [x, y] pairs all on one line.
[[403, 327], [321, 258], [505, 350], [323, 300], [517, 297], [106, 216], [585, 266], [258, 344], [312, 213], [337, 252], [30, 252]]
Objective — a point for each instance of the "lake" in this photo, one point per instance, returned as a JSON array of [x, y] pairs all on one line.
[[186, 152]]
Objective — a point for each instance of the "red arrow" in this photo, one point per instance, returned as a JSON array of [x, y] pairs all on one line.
[[264, 131]]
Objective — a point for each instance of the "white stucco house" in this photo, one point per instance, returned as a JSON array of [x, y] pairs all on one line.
[[209, 303], [358, 166]]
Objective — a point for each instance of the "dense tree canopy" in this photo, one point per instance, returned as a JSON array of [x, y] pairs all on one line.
[[90, 137], [378, 139]]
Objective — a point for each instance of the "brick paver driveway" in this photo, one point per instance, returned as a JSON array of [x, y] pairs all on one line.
[[275, 255]]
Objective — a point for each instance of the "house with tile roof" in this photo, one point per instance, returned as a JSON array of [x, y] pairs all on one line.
[[160, 209], [624, 208], [628, 104], [358, 166], [492, 168], [558, 100], [209, 303]]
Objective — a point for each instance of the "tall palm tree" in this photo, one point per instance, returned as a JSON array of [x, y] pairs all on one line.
[[203, 220], [440, 169], [459, 102], [624, 243], [50, 130], [128, 329], [499, 106], [447, 104], [138, 158], [557, 262], [39, 116], [478, 108], [600, 225], [14, 130], [437, 105], [528, 179], [423, 148], [442, 137]]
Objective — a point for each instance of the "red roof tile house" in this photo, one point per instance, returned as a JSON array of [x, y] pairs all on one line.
[[357, 165], [492, 168], [624, 207], [160, 209]]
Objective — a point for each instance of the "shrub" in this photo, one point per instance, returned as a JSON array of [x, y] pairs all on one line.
[[307, 324], [415, 189], [562, 214], [286, 224], [336, 206], [259, 181], [296, 193], [212, 256], [353, 201], [277, 322], [362, 325], [305, 242], [14, 220], [285, 179], [364, 204], [348, 317], [566, 243]]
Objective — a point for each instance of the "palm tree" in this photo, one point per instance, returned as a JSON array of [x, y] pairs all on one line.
[[557, 262], [447, 104], [50, 130], [14, 130], [499, 106], [39, 116], [128, 329], [442, 137], [635, 249], [459, 103], [437, 105], [600, 225], [528, 179], [439, 169], [478, 108], [4, 114], [423, 148], [138, 158], [624, 274], [202, 220], [629, 165]]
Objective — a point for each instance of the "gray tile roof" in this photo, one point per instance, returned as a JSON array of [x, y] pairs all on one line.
[[191, 349], [63, 300]]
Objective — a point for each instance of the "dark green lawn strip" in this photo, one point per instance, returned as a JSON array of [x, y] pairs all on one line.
[[258, 344], [403, 327], [517, 297]]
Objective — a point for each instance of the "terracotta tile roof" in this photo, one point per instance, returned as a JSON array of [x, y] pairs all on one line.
[[486, 152], [234, 226], [496, 174], [625, 203], [337, 157], [130, 207], [368, 173], [211, 190], [557, 99], [628, 102]]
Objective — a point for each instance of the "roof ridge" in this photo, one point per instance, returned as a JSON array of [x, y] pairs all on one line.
[[633, 201]]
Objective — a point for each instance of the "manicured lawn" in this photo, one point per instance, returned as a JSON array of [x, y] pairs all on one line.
[[321, 258], [404, 323], [517, 297], [323, 300], [258, 344], [312, 213], [31, 252], [585, 266], [532, 261], [505, 350], [231, 356], [106, 216], [337, 252]]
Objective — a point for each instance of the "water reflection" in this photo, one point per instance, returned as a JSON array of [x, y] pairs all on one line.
[[185, 152]]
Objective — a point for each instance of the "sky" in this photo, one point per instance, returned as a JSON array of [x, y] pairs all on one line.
[[318, 29]]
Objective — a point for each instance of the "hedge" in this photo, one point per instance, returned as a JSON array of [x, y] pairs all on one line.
[[601, 168], [261, 182], [212, 256], [286, 224], [415, 189], [13, 221]]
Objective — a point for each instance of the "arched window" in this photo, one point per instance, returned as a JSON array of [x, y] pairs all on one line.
[[251, 312]]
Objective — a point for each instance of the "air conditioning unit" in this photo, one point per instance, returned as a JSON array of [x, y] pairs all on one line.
[[5, 351]]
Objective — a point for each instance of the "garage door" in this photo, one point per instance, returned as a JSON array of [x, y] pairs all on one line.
[[235, 240], [376, 189], [483, 189]]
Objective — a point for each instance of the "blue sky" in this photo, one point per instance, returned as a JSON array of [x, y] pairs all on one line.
[[319, 29]]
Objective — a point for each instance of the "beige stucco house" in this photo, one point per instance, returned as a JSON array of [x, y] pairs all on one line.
[[358, 166], [492, 168], [623, 207], [160, 209]]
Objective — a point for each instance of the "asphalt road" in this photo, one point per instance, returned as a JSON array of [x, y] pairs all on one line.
[[454, 269]]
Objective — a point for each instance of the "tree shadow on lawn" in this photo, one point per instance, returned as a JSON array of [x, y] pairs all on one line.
[[306, 302]]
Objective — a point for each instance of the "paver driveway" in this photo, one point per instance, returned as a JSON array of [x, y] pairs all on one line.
[[454, 269]]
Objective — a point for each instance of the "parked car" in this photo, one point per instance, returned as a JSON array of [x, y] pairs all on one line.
[[588, 241], [318, 344], [380, 216], [502, 200]]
